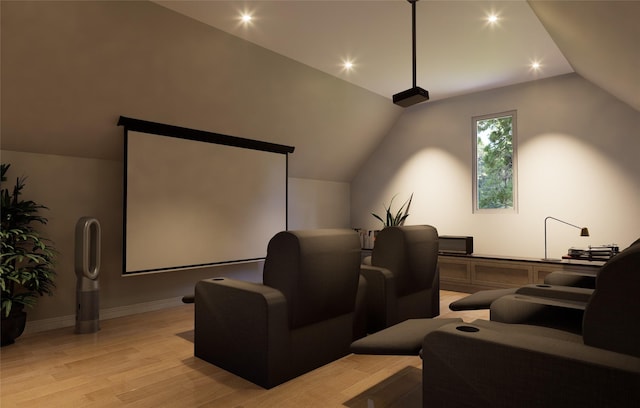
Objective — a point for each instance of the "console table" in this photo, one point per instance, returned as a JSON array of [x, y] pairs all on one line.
[[471, 273]]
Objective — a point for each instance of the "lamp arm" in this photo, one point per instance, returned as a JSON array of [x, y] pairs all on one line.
[[564, 222], [584, 232]]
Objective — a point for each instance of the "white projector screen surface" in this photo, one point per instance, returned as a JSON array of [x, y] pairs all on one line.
[[191, 203]]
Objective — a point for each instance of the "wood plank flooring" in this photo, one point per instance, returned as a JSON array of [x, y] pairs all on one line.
[[146, 360]]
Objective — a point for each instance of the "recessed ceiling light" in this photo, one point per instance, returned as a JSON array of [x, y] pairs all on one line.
[[535, 65], [347, 65], [492, 19], [246, 18]]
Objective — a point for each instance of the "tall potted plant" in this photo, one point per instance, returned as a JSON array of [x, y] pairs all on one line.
[[26, 257]]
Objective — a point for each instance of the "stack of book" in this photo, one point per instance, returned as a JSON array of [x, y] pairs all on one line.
[[594, 253], [367, 238]]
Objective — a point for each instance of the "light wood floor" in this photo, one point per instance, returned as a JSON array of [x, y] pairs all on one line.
[[146, 360]]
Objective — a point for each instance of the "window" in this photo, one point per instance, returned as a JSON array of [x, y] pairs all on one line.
[[494, 176]]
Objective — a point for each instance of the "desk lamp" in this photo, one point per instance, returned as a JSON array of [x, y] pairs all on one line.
[[584, 232]]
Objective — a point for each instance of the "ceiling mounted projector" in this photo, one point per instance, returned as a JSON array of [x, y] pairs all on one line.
[[411, 97], [415, 94]]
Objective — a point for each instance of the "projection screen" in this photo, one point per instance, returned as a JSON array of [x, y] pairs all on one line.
[[194, 198]]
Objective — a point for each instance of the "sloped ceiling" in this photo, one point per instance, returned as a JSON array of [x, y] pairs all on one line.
[[600, 40], [52, 52], [457, 50]]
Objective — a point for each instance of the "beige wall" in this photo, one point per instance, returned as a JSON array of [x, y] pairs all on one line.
[[70, 69], [577, 156], [319, 204]]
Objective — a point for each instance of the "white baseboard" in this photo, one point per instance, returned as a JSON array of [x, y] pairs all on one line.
[[36, 326]]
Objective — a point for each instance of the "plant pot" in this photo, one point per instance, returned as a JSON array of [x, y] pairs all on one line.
[[12, 326]]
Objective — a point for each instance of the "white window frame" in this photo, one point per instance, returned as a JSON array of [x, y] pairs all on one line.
[[514, 144]]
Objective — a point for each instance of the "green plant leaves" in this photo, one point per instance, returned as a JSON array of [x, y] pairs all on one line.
[[397, 218], [26, 258]]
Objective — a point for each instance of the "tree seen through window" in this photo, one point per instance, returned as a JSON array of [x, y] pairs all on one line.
[[494, 181]]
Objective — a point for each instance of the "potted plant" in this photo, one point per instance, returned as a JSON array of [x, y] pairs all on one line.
[[26, 257], [397, 218]]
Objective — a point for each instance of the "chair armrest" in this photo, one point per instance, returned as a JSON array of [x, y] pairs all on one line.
[[556, 292], [575, 279], [467, 365], [381, 299], [360, 312], [241, 326], [548, 312]]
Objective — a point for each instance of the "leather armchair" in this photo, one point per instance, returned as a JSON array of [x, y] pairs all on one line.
[[493, 364], [303, 316], [557, 285], [563, 307], [505, 365], [403, 280]]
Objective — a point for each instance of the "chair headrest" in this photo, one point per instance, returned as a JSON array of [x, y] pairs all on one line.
[[410, 253], [316, 270]]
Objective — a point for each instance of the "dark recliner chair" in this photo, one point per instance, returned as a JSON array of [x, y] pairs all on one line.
[[306, 314], [552, 306], [403, 280], [558, 303], [492, 364], [557, 285]]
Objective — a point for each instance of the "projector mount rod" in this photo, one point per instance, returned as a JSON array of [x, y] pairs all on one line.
[[413, 34]]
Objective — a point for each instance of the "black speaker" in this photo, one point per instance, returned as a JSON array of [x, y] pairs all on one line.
[[450, 244]]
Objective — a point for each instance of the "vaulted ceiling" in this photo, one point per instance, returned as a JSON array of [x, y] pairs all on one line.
[[146, 60], [600, 40], [458, 50]]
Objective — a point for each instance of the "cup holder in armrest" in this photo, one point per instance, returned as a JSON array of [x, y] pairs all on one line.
[[542, 285], [467, 329], [217, 279]]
